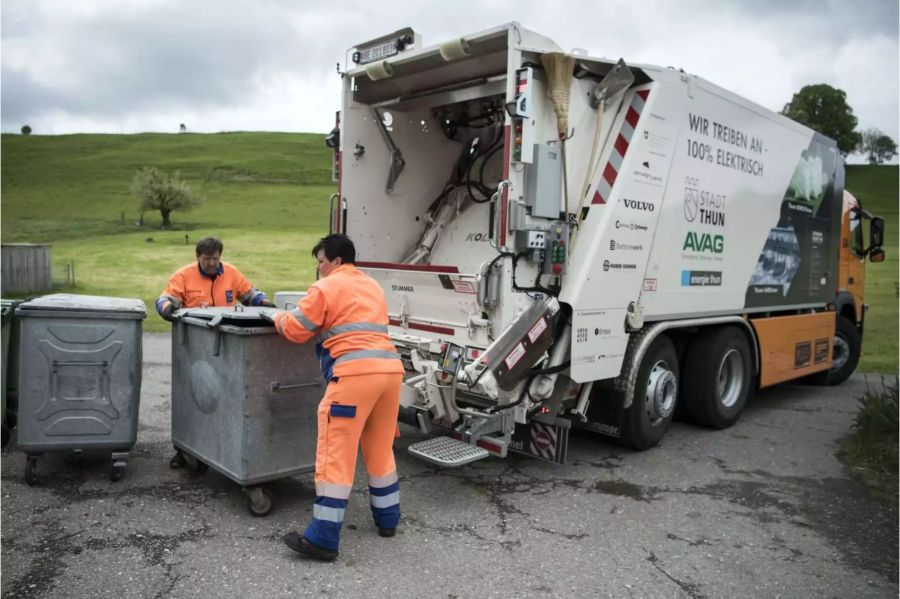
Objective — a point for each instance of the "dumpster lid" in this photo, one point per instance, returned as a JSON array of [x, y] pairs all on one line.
[[67, 302], [244, 320], [233, 314]]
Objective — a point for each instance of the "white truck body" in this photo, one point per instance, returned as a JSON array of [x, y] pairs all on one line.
[[678, 201]]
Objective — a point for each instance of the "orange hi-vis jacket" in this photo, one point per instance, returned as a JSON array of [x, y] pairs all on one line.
[[190, 287], [347, 314]]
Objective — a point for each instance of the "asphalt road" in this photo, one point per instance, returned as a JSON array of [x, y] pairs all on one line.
[[763, 509]]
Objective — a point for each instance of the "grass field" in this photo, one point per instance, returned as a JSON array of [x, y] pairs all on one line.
[[266, 196]]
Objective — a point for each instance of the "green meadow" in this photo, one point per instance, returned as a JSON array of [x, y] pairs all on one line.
[[266, 196]]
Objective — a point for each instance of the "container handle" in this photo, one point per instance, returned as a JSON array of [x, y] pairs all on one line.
[[276, 386]]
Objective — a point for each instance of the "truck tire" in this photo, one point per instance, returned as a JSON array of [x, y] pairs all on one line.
[[718, 377], [648, 418], [847, 347]]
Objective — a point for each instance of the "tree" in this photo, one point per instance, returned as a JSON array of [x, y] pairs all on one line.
[[825, 109], [879, 147], [182, 128], [157, 191], [26, 130]]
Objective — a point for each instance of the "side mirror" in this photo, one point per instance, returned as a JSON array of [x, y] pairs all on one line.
[[333, 139], [876, 255], [876, 232]]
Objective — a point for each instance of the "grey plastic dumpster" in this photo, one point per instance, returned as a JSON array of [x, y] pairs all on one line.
[[10, 366], [244, 399], [79, 376]]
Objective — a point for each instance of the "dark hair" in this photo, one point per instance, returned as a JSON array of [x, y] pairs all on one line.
[[337, 245], [209, 245]]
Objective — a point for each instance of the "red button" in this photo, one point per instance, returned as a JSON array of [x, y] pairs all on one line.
[[557, 269]]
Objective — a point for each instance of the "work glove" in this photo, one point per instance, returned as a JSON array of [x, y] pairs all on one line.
[[268, 315], [167, 310], [264, 303]]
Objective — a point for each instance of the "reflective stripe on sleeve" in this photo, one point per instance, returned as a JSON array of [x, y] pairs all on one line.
[[368, 327], [303, 320]]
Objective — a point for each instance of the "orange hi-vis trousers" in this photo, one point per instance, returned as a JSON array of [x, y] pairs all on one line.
[[356, 410]]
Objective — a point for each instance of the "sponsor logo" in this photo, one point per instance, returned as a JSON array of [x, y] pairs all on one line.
[[796, 207], [229, 295], [639, 205], [701, 278], [703, 242], [630, 226], [649, 284], [475, 237], [704, 207], [618, 245], [607, 265], [407, 288], [647, 177], [602, 428], [604, 332], [762, 290]]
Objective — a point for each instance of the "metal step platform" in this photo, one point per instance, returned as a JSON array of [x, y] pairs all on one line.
[[447, 452]]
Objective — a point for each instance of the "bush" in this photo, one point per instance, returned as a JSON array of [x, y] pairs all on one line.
[[879, 413], [872, 450]]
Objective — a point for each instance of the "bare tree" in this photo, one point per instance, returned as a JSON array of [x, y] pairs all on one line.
[[157, 191]]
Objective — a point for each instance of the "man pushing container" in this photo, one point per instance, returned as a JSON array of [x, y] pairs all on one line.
[[346, 312]]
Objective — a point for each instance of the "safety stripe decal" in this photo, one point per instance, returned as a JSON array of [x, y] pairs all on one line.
[[623, 139]]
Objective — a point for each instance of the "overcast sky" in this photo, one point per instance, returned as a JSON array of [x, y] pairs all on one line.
[[123, 66]]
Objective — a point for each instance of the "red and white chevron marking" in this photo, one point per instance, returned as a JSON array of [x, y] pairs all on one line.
[[623, 139]]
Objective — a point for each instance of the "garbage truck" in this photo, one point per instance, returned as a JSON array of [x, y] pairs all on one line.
[[569, 241]]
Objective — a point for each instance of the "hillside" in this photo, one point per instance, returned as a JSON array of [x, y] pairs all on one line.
[[267, 198]]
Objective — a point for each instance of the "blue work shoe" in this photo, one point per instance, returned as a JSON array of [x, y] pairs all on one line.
[[304, 547]]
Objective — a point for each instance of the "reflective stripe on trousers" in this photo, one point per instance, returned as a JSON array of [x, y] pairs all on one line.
[[358, 411], [384, 497]]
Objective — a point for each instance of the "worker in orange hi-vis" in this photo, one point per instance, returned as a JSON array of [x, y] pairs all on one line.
[[346, 312], [208, 282]]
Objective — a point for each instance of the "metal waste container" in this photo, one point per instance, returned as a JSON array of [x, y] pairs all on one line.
[[10, 373], [79, 376], [244, 399]]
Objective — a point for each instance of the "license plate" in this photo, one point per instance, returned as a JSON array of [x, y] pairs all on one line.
[[378, 52]]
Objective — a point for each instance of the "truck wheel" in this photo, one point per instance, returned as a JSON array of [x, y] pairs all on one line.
[[718, 377], [845, 356], [655, 394]]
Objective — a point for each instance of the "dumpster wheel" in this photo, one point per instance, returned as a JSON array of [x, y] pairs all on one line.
[[259, 501], [31, 473], [177, 460], [116, 472]]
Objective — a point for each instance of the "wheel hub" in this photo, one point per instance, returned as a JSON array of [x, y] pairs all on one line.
[[730, 380], [841, 353], [662, 389]]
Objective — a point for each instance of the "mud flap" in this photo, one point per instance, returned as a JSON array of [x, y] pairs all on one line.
[[604, 415], [548, 442]]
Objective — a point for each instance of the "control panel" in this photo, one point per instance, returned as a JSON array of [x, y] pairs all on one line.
[[556, 250]]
